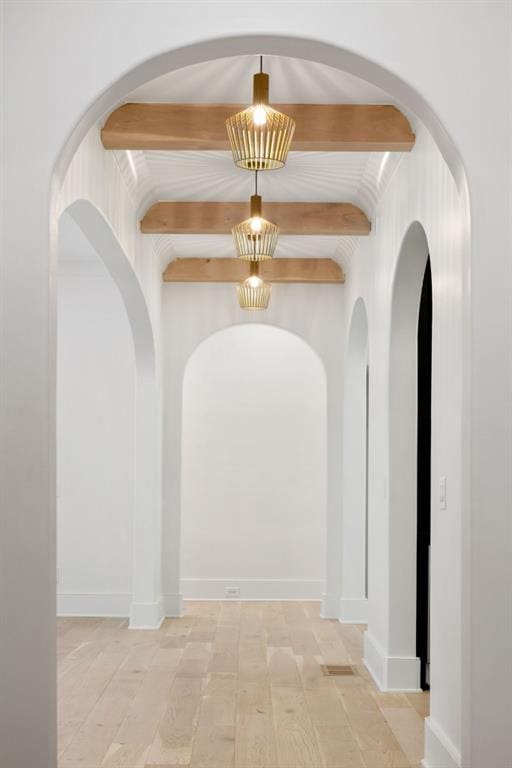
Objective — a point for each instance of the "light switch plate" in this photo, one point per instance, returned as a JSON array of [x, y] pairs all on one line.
[[442, 493]]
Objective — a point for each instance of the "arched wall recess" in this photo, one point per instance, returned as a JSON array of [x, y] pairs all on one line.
[[254, 447], [354, 587], [146, 607]]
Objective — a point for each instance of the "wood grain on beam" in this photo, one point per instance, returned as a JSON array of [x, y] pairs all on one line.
[[219, 270], [218, 218], [319, 127]]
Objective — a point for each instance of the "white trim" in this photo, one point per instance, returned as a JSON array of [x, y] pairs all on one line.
[[147, 615], [353, 610], [391, 673], [330, 606], [173, 604], [252, 589], [94, 604], [440, 752]]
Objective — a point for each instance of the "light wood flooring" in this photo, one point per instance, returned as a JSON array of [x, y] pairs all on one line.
[[230, 685]]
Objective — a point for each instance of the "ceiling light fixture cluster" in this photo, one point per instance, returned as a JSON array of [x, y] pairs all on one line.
[[260, 138]]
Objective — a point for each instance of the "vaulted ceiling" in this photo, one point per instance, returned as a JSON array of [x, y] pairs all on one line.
[[353, 177]]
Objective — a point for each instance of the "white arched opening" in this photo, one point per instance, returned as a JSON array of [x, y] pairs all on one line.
[[254, 445], [354, 543], [403, 410], [39, 577], [144, 597]]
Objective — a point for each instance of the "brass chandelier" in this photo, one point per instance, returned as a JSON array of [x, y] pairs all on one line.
[[255, 238], [260, 136], [254, 293]]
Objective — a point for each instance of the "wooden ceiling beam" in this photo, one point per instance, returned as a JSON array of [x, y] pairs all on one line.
[[319, 127], [232, 270], [214, 218]]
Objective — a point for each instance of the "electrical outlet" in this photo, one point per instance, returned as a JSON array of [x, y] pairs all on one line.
[[232, 592]]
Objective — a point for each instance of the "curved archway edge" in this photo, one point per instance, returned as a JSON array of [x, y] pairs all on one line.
[[146, 607]]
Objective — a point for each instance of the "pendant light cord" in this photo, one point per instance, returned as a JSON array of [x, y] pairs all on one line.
[[261, 64], [255, 182]]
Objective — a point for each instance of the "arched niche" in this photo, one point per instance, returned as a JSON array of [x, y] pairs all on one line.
[[146, 607], [354, 544], [254, 460]]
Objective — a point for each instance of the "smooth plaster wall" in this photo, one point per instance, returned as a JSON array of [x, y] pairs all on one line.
[[95, 439], [254, 466], [464, 93]]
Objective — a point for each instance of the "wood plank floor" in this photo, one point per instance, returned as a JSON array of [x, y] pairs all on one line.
[[230, 685]]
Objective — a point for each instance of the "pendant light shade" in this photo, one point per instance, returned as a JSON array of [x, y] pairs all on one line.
[[260, 136], [254, 293], [255, 238]]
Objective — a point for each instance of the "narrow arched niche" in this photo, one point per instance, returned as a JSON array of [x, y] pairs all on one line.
[[254, 467]]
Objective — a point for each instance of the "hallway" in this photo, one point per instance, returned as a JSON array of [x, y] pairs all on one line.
[[230, 685]]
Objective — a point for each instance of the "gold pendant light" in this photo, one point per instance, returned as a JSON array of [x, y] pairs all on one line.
[[260, 136], [255, 238], [254, 293]]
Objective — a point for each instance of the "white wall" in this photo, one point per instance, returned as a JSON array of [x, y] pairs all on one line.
[[254, 467], [95, 435]]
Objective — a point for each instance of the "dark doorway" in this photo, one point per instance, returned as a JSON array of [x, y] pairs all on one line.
[[423, 471]]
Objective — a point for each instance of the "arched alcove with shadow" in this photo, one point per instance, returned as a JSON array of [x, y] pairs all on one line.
[[354, 587]]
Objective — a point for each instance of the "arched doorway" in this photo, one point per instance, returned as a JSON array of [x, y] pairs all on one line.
[[424, 479], [405, 437], [353, 607], [153, 66]]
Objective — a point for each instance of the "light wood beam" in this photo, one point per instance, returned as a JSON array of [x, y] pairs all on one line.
[[319, 127], [233, 270], [200, 218]]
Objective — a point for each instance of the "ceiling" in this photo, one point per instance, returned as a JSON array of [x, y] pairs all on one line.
[[356, 177]]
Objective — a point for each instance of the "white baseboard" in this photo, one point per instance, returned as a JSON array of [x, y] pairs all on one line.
[[330, 606], [353, 610], [439, 750], [391, 673], [146, 615], [251, 589], [173, 604], [93, 604]]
